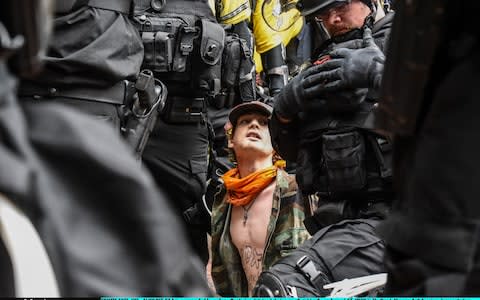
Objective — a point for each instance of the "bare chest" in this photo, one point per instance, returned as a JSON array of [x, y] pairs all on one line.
[[248, 230]]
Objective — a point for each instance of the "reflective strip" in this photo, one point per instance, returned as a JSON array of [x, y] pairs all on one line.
[[235, 12]]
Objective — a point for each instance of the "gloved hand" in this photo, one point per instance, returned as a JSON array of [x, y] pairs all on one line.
[[345, 101], [354, 68], [293, 98]]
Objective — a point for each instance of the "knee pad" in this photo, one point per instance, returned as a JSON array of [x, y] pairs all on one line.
[[270, 285]]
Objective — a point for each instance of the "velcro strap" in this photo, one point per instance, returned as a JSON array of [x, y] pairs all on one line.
[[381, 148], [113, 95], [188, 34]]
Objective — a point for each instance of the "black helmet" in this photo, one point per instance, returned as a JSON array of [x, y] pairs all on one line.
[[310, 7]]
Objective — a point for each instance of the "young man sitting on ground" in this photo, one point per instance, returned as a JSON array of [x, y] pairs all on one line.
[[257, 217]]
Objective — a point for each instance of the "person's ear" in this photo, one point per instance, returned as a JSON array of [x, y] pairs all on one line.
[[229, 133]]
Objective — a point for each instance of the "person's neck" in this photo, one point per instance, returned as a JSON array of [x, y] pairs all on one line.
[[247, 166]]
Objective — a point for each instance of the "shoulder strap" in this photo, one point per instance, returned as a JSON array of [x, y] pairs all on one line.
[[382, 149], [253, 4]]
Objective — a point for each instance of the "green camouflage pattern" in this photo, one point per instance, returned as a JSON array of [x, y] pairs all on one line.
[[284, 234]]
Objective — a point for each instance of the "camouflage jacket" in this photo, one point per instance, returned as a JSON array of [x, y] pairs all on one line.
[[284, 234]]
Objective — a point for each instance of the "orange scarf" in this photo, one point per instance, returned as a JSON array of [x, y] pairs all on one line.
[[241, 191]]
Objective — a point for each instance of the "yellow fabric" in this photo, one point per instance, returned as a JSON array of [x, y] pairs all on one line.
[[233, 11], [242, 191], [265, 37], [257, 59], [293, 15], [281, 27], [272, 27]]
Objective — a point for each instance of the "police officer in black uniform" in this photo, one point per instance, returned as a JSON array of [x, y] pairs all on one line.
[[93, 50], [343, 165], [105, 226], [184, 47], [93, 64]]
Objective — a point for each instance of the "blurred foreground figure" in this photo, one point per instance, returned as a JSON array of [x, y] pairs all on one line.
[[93, 64], [430, 93], [429, 106], [106, 228], [205, 68]]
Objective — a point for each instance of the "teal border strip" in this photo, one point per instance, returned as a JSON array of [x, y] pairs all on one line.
[[234, 298]]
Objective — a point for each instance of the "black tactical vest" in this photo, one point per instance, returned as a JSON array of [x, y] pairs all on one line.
[[183, 44], [341, 157]]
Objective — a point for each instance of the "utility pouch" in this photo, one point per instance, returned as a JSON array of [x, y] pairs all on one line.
[[168, 41], [229, 69], [231, 60], [207, 70], [158, 51], [212, 42], [184, 110], [238, 68], [185, 48], [246, 73], [344, 160]]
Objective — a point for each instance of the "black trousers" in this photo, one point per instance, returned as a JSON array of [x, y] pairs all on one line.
[[177, 157]]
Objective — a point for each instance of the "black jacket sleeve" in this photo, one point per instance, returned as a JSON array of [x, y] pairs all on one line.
[[284, 138]]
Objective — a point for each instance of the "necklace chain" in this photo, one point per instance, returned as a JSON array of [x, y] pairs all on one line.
[[246, 208]]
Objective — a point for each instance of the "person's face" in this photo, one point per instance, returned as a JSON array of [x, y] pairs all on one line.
[[344, 17], [251, 136]]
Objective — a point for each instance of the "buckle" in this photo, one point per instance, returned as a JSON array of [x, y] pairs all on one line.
[[316, 277], [186, 48], [308, 268]]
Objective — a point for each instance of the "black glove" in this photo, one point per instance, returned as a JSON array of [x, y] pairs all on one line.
[[304, 87], [345, 101], [354, 68]]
